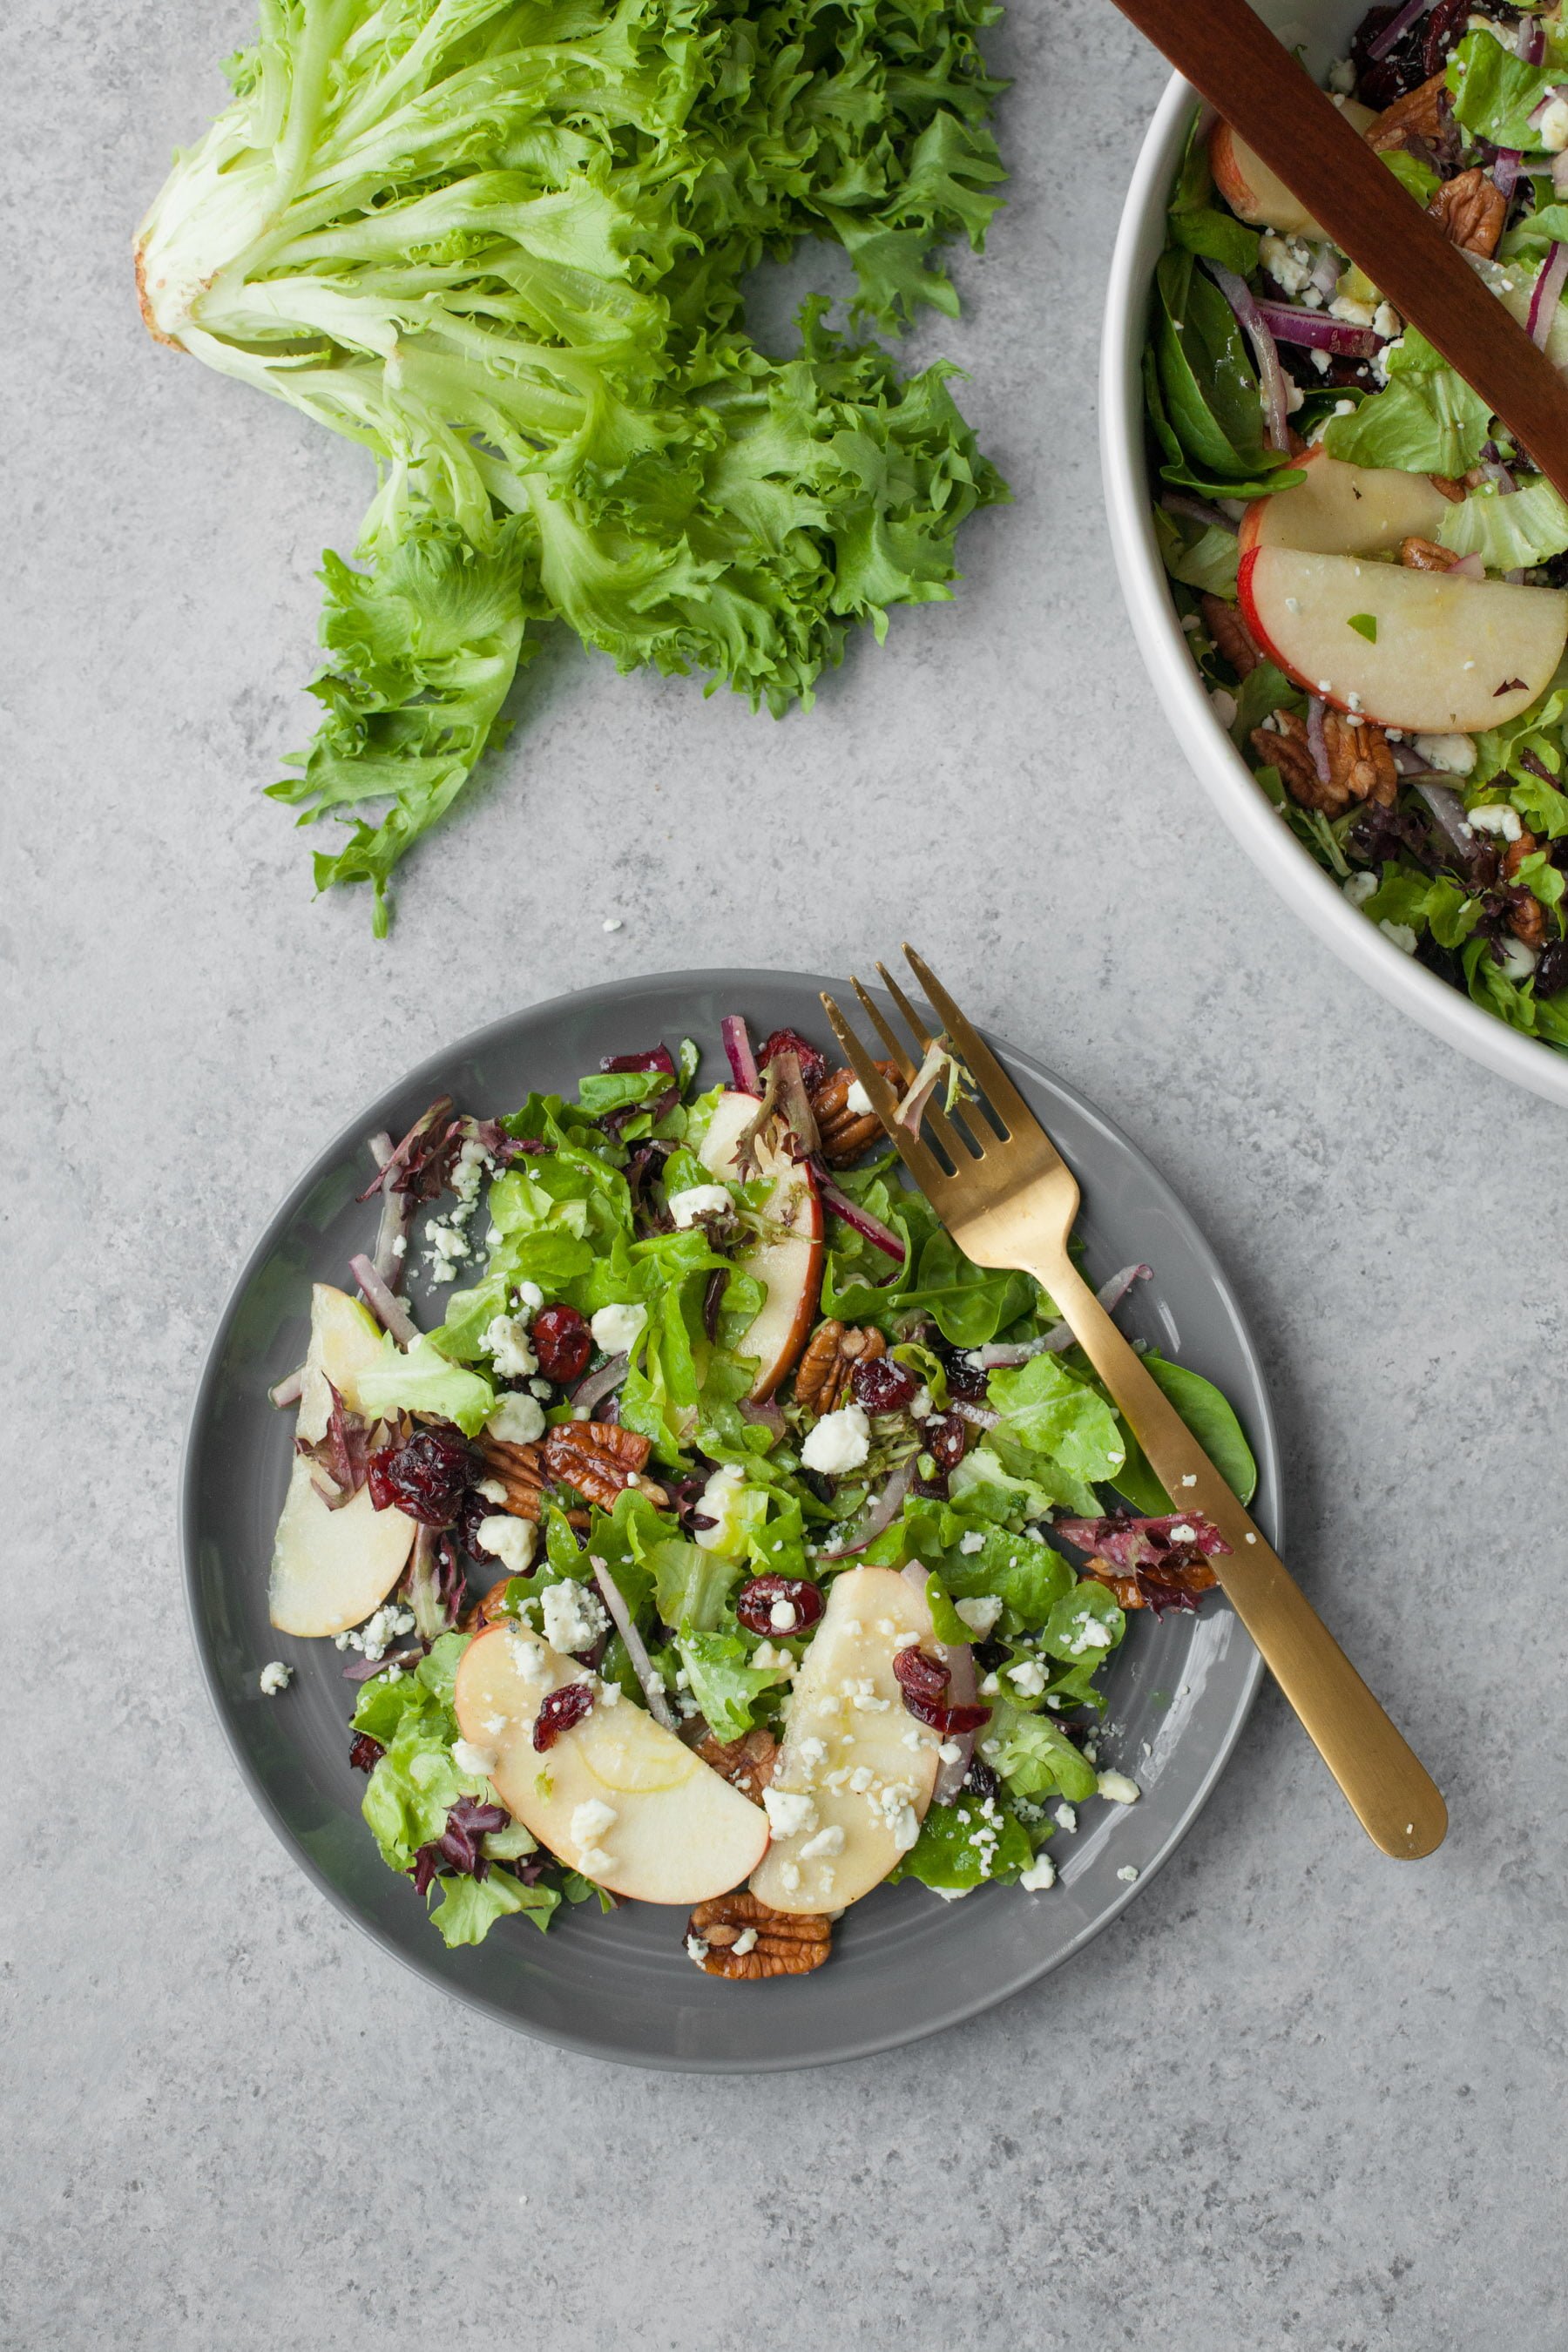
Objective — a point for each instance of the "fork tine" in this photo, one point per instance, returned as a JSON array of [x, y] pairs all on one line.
[[956, 1146], [885, 1030], [962, 1139], [977, 1055], [921, 1164]]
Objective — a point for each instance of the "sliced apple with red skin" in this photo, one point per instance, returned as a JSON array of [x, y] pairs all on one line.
[[1258, 196], [1342, 509], [1432, 655], [789, 1262], [679, 1833], [847, 1701], [332, 1568]]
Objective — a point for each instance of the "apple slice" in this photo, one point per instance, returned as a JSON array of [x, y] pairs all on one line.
[[1342, 509], [1437, 656], [330, 1568], [1258, 196], [789, 1266], [846, 1715], [665, 1829]]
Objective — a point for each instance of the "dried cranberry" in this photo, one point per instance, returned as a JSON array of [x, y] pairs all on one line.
[[760, 1598], [948, 1720], [813, 1065], [367, 1753], [881, 1385], [917, 1671], [945, 1440], [560, 1710], [965, 1377], [980, 1780], [424, 1477], [563, 1343], [1551, 970]]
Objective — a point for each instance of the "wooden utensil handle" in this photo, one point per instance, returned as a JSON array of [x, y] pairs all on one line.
[[1389, 1790], [1229, 54]]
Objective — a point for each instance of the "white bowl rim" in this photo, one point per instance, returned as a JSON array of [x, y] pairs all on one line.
[[1216, 762]]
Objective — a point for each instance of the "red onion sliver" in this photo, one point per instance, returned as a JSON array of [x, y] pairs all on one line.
[[1530, 40], [1448, 810], [1270, 375], [1505, 171], [388, 1310], [869, 1228], [1317, 742], [979, 1414], [1413, 11], [1468, 567], [961, 1691], [287, 1392], [658, 1706], [1317, 331], [881, 1514], [1197, 510], [594, 1386], [742, 1061], [1547, 295]]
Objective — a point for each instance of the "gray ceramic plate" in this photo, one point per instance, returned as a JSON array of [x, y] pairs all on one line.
[[621, 1987]]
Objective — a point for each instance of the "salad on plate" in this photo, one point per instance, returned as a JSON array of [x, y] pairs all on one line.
[[732, 1541], [1372, 573]]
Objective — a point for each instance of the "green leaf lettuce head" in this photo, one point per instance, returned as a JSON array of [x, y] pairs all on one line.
[[501, 244]]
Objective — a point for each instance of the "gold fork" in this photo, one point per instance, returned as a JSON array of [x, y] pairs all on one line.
[[1009, 1199]]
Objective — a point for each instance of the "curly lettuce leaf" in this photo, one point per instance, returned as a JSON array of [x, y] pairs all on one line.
[[1427, 421]]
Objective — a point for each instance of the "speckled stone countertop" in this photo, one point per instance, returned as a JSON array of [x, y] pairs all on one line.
[[1298, 2096]]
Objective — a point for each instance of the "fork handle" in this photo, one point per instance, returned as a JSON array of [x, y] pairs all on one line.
[[1389, 1790]]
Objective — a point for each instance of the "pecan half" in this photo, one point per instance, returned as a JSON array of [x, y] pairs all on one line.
[[1426, 555], [1360, 760], [1526, 915], [1470, 211], [1453, 491], [518, 1468], [845, 1134], [735, 1935], [1424, 113], [600, 1459], [747, 1764], [1230, 634], [1289, 750], [822, 1377]]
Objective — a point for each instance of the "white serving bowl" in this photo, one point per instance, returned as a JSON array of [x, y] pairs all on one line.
[[1324, 32]]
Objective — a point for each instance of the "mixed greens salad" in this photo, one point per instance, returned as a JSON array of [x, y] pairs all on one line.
[[503, 244], [1370, 570], [802, 1542]]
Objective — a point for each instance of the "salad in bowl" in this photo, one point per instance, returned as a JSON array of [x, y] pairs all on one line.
[[730, 1541], [1372, 575]]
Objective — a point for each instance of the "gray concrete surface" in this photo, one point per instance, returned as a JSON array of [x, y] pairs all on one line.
[[1301, 2096]]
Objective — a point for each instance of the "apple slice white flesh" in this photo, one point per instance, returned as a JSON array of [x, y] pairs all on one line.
[[332, 1568], [1258, 196], [847, 1697], [790, 1264], [1450, 657], [1343, 509], [679, 1833]]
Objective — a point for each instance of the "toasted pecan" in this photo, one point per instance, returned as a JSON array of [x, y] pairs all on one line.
[[1526, 915], [1425, 113], [600, 1459], [747, 1764], [1285, 746], [844, 1133], [823, 1375], [1426, 555], [1230, 634], [518, 1469], [1470, 211], [735, 1935], [1359, 759]]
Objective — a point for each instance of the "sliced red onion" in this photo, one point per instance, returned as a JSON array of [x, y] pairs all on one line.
[[1317, 741], [396, 1218], [658, 1706], [1197, 510], [1530, 40], [1270, 375], [1448, 810], [742, 1061], [1505, 171], [999, 1356], [287, 1392], [881, 1514], [1548, 293], [869, 1228], [1468, 567], [1397, 27], [1317, 331], [962, 1690], [1496, 471], [388, 1310], [979, 1414], [594, 1386], [1326, 272]]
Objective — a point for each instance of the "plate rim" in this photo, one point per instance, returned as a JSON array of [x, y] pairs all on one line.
[[1264, 1437]]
